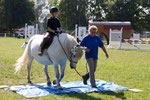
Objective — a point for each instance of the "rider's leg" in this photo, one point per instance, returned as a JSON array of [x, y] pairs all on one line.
[[43, 46], [47, 41]]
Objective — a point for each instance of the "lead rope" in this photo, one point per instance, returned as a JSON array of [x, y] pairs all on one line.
[[69, 58], [86, 68], [79, 73]]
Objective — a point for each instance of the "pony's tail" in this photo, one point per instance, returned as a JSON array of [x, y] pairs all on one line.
[[21, 61]]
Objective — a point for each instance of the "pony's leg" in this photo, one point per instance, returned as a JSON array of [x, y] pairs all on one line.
[[57, 77], [62, 68], [47, 76], [29, 69]]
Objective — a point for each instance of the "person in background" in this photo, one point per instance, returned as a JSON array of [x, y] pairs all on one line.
[[53, 25], [92, 42]]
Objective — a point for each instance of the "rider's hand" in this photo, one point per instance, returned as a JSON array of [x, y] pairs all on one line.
[[60, 31], [56, 31]]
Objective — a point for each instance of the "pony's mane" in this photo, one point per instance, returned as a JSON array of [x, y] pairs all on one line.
[[71, 37], [79, 52], [71, 40]]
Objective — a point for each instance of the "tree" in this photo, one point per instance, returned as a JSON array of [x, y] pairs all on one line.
[[2, 17], [18, 12], [96, 10], [146, 13], [81, 11], [42, 12], [128, 10], [72, 12]]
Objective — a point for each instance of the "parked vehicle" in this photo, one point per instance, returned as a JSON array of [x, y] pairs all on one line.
[[19, 35]]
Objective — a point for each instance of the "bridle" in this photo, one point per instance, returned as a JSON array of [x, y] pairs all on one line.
[[69, 58], [71, 53]]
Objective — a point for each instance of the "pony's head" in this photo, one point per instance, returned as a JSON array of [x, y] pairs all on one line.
[[75, 51], [76, 54]]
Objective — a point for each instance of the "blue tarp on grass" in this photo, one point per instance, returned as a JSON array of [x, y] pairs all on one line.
[[68, 87]]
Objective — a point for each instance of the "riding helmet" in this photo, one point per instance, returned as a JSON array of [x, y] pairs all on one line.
[[53, 9]]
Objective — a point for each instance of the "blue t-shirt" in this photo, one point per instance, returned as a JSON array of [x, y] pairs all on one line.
[[92, 43]]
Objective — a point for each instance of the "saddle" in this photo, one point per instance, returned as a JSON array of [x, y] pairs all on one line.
[[47, 41]]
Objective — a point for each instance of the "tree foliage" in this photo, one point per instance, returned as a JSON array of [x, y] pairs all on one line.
[[129, 10], [72, 12], [80, 11], [15, 13], [42, 12]]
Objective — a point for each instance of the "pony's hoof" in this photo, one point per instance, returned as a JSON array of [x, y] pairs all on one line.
[[54, 82], [30, 82], [49, 83]]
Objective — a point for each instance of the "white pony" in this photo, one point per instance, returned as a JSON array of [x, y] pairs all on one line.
[[63, 46]]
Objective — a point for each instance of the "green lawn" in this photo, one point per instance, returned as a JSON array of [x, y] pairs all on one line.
[[129, 68]]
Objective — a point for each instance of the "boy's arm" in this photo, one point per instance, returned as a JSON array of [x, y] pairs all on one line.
[[48, 26], [50, 30], [54, 31]]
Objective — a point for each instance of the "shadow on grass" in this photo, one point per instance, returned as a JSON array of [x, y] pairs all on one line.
[[117, 95], [85, 96]]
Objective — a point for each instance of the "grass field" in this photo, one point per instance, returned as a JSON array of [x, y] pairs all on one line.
[[129, 68]]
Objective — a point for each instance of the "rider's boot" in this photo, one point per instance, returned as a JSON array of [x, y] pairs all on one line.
[[40, 53], [42, 47], [46, 43]]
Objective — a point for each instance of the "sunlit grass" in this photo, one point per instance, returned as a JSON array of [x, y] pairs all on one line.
[[130, 68]]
